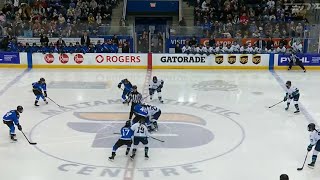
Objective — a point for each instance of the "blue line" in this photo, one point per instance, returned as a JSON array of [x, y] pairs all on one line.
[[304, 111], [14, 81], [271, 61]]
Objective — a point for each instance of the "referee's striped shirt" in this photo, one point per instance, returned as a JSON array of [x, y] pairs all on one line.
[[135, 97]]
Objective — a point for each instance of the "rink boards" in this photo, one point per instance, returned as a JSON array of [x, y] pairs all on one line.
[[154, 61]]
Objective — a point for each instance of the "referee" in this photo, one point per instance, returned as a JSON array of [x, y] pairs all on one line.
[[135, 98]]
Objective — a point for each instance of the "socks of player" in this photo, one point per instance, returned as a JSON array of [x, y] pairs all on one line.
[[133, 153], [297, 108], [127, 151], [288, 104], [146, 149]]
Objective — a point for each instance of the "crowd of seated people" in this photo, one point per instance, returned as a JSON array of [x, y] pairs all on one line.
[[67, 18], [239, 18]]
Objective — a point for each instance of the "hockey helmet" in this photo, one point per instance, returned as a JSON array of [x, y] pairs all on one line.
[[20, 109], [154, 79], [134, 87], [288, 84], [42, 80], [311, 127], [128, 123]]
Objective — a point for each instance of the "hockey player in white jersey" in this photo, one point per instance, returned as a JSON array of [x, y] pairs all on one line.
[[153, 116], [297, 46], [186, 49], [156, 85], [140, 134], [292, 93], [314, 141]]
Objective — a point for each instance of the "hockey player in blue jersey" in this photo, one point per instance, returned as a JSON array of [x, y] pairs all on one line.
[[141, 112], [125, 139], [11, 118], [37, 88], [126, 90]]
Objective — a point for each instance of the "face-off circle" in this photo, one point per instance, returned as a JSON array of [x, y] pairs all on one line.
[[94, 130]]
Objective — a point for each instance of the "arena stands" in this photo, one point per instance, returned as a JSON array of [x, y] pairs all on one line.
[[55, 18], [243, 22]]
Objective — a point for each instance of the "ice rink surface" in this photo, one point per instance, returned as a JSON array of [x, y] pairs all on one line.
[[216, 126]]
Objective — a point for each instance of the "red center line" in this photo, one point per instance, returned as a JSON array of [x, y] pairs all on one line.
[[129, 171]]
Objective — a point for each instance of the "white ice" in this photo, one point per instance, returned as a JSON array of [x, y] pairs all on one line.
[[260, 143]]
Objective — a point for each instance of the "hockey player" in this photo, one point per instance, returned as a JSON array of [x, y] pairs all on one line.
[[292, 93], [186, 49], [314, 140], [140, 112], [294, 59], [11, 118], [135, 98], [156, 85], [140, 134], [37, 88], [153, 116], [125, 139], [126, 90]]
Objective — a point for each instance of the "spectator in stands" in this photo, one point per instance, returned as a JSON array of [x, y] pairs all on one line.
[[115, 39], [125, 47], [193, 41], [61, 42], [177, 49], [182, 22], [284, 177], [85, 39], [212, 41], [44, 40], [261, 43], [270, 43]]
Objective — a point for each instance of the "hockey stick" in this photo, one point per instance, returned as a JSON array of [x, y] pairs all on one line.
[[276, 104], [299, 169], [157, 139], [32, 143], [54, 102], [150, 137]]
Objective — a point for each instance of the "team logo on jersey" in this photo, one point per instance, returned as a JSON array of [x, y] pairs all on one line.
[[87, 131], [244, 59], [232, 59], [64, 58], [216, 85], [219, 59], [256, 59]]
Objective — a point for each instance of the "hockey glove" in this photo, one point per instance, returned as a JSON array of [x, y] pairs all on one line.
[[285, 98], [119, 85], [45, 94], [19, 127], [309, 147]]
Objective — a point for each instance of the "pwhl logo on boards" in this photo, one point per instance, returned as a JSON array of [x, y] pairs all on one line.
[[90, 126]]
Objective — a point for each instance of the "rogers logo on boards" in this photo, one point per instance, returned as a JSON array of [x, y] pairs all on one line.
[[49, 58], [64, 58], [118, 59], [78, 58], [99, 58]]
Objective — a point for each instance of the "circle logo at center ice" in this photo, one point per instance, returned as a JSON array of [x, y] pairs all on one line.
[[187, 129]]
